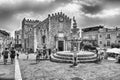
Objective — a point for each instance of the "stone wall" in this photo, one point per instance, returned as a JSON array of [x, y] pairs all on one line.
[[42, 30], [28, 33]]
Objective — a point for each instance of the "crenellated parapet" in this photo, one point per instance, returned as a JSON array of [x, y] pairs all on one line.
[[30, 21], [58, 15]]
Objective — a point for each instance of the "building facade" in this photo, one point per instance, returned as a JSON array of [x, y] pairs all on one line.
[[28, 34], [18, 37], [107, 37], [53, 32], [104, 37], [4, 36]]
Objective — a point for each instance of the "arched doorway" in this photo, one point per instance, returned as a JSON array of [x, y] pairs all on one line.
[[61, 45]]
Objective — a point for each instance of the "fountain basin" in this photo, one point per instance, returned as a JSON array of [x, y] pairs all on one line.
[[67, 56]]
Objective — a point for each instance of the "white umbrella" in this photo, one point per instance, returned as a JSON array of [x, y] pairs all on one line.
[[116, 50], [113, 50], [110, 51]]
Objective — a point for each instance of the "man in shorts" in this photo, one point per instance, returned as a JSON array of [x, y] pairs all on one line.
[[5, 55]]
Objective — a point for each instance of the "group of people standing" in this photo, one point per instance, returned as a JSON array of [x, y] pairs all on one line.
[[44, 53], [12, 52]]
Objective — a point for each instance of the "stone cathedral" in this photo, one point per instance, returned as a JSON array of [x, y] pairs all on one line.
[[52, 32]]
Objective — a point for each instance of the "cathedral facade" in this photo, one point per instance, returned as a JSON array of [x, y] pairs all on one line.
[[52, 32]]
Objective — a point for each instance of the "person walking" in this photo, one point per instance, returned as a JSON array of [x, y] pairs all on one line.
[[5, 55], [12, 55], [75, 57], [17, 54], [49, 51]]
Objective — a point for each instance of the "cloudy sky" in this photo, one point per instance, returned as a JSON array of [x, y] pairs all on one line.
[[87, 12]]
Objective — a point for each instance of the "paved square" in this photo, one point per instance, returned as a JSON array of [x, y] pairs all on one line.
[[6, 71], [46, 70]]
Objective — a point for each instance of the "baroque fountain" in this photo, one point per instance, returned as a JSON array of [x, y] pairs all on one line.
[[68, 56]]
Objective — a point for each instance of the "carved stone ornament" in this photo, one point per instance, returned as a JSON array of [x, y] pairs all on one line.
[[61, 19]]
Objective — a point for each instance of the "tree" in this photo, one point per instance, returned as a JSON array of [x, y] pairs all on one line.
[[114, 45]]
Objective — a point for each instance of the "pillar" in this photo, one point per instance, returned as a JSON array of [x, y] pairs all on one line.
[[35, 40]]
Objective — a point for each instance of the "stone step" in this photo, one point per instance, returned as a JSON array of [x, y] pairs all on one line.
[[79, 55], [71, 60], [60, 60]]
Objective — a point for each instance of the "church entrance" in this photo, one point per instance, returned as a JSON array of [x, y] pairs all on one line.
[[60, 45]]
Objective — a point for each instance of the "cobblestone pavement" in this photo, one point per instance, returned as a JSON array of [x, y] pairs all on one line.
[[46, 70], [6, 71]]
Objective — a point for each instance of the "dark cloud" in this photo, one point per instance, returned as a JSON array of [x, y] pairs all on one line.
[[91, 9], [113, 22], [9, 10], [107, 22], [91, 22], [111, 3]]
